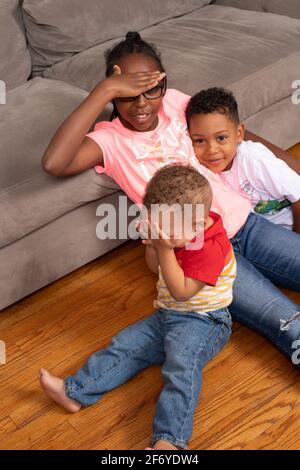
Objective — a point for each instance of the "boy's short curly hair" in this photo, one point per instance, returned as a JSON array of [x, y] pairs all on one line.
[[212, 100], [178, 184]]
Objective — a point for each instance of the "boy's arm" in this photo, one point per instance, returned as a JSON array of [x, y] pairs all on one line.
[[296, 216], [291, 161], [180, 287]]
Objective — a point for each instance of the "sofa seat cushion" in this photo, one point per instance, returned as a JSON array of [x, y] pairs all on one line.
[[58, 29], [288, 7], [36, 201], [29, 198], [256, 54], [15, 61]]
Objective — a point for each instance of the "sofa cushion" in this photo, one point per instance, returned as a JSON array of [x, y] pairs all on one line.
[[288, 8], [83, 70], [256, 55], [36, 201], [57, 30], [251, 52], [15, 62], [262, 88]]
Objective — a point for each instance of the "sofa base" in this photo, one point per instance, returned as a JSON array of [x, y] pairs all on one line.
[[52, 252]]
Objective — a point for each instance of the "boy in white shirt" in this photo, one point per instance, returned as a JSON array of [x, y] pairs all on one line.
[[249, 167]]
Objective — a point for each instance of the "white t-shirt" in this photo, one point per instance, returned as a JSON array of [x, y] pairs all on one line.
[[268, 181]]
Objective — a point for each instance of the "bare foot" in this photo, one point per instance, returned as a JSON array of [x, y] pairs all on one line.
[[55, 389]]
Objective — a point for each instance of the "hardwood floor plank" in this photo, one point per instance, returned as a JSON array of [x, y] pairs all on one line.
[[7, 426], [43, 433], [263, 442], [48, 298], [286, 430], [229, 399], [258, 423], [60, 437], [295, 151]]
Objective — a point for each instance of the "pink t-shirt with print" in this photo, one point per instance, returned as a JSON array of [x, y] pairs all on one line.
[[131, 158]]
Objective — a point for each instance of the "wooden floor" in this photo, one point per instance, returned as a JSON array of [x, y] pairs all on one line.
[[251, 393]]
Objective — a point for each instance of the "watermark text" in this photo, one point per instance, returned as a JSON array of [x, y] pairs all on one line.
[[2, 353], [164, 221], [2, 92], [296, 93]]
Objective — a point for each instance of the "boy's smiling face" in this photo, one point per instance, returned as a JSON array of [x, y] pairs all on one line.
[[215, 138]]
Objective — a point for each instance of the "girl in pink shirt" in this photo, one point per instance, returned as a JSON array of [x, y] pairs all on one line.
[[148, 130]]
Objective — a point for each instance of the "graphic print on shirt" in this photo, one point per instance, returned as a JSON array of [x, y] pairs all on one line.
[[169, 148], [263, 205]]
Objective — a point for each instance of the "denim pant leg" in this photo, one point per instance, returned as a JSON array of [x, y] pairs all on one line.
[[272, 249], [257, 303], [134, 348], [191, 340]]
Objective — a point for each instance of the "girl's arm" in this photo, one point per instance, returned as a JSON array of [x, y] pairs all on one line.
[[180, 287], [291, 161], [69, 151], [296, 216]]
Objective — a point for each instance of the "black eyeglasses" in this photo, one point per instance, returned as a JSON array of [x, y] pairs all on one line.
[[152, 94]]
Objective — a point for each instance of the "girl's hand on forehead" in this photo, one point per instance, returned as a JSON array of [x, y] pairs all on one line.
[[133, 84]]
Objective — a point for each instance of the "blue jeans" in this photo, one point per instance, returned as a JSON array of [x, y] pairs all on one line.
[[183, 342], [267, 254]]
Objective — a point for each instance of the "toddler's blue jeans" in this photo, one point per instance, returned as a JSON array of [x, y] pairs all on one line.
[[183, 342]]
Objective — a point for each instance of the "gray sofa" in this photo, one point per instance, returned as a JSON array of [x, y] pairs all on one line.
[[53, 56]]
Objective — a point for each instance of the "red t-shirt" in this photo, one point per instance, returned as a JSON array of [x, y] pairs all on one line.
[[207, 264]]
